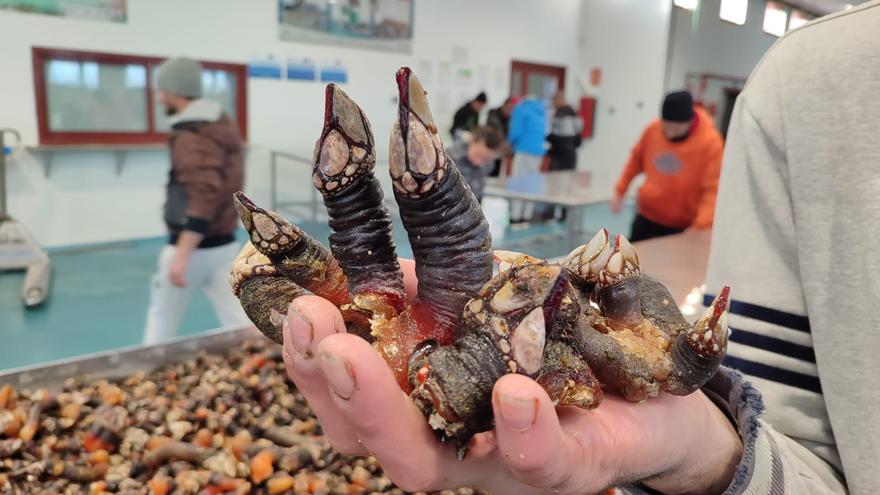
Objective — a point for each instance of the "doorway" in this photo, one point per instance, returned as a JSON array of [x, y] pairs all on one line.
[[539, 80]]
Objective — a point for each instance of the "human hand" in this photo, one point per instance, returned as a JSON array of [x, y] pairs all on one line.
[[616, 203], [178, 268], [674, 444]]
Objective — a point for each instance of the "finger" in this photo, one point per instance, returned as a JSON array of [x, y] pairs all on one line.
[[531, 440], [385, 419], [310, 319]]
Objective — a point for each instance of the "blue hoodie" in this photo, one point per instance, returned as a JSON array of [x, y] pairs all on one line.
[[528, 125]]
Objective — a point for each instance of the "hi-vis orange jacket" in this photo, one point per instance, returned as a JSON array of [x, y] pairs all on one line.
[[681, 178]]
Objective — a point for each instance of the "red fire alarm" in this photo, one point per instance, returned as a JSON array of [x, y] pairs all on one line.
[[595, 77]]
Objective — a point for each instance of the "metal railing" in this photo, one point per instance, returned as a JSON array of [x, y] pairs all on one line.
[[312, 204]]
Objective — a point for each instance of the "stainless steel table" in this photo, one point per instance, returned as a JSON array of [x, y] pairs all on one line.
[[569, 188]]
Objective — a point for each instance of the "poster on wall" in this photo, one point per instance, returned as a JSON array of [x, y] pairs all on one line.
[[91, 10], [373, 24]]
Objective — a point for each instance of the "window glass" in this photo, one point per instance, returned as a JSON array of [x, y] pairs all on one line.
[[217, 85], [96, 97]]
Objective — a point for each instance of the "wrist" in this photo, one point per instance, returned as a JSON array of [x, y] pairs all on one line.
[[713, 451]]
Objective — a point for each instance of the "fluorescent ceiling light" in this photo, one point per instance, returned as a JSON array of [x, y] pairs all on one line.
[[775, 19], [734, 11]]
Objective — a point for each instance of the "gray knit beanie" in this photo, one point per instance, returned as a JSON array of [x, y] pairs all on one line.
[[181, 76]]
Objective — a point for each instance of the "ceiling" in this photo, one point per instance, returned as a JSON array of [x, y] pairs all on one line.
[[823, 7]]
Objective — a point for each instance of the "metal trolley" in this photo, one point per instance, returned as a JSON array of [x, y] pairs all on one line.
[[18, 248]]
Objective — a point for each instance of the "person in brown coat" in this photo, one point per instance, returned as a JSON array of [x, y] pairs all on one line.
[[207, 167]]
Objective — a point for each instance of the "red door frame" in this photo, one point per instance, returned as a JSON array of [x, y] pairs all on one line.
[[40, 55], [527, 68]]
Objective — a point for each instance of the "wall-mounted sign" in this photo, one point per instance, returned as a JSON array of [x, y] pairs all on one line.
[[335, 73], [300, 69], [266, 67]]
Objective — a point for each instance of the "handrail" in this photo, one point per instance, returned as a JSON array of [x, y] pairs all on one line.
[[314, 203], [273, 189]]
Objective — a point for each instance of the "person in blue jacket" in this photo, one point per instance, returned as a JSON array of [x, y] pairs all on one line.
[[528, 126]]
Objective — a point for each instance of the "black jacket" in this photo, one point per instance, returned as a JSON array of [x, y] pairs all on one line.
[[466, 118], [564, 138]]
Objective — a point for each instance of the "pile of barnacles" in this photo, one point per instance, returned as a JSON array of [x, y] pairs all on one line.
[[590, 322], [210, 425]]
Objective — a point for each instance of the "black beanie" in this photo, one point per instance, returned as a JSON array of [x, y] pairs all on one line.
[[481, 97], [678, 107]]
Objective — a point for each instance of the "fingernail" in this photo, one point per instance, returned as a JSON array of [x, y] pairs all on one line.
[[301, 332], [339, 375], [518, 413]]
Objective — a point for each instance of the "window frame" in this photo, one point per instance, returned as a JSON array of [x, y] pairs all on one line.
[[41, 55]]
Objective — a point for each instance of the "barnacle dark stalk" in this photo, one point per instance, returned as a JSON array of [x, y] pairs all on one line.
[[361, 240], [638, 342], [447, 231], [504, 330]]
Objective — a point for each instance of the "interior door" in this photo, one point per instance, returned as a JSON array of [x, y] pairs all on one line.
[[538, 80]]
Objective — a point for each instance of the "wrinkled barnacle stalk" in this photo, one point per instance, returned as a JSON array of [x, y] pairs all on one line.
[[448, 233], [361, 240], [177, 450], [107, 429], [263, 292], [697, 352], [296, 255], [638, 342], [504, 330], [32, 425]]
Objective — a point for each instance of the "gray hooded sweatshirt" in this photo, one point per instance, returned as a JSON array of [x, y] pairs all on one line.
[[797, 236]]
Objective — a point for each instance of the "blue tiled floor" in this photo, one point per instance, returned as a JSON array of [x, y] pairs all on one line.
[[99, 294]]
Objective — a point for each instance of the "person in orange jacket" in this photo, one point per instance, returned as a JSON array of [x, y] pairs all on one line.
[[680, 155]]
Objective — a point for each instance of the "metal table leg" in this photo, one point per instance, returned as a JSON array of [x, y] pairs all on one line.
[[574, 225]]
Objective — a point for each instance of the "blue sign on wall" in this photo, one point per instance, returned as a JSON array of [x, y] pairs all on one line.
[[300, 69], [335, 73], [267, 68]]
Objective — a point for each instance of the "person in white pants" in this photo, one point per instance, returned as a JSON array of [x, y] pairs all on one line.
[[207, 168], [524, 164], [209, 271], [528, 124]]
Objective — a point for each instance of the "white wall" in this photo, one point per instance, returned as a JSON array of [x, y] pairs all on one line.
[[702, 42], [85, 201], [627, 39]]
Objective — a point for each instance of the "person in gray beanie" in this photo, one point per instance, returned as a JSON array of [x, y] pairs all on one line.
[[207, 167]]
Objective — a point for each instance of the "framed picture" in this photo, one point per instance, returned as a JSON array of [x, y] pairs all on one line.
[[372, 24], [91, 10]]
